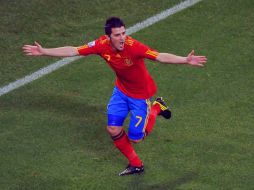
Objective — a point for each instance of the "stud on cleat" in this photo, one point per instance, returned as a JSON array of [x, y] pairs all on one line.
[[132, 170], [165, 112]]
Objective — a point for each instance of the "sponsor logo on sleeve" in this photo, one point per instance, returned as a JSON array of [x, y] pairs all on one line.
[[91, 44]]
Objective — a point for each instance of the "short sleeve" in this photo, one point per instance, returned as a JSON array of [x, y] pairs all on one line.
[[89, 48], [144, 51]]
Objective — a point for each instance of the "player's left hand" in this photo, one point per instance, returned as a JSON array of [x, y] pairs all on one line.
[[195, 60]]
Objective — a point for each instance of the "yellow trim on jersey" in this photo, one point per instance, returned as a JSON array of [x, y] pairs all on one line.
[[83, 47], [152, 53], [103, 41], [129, 41]]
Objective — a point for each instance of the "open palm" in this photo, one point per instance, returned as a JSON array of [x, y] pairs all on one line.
[[195, 60], [35, 50]]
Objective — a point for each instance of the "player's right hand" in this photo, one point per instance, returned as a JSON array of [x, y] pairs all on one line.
[[33, 50]]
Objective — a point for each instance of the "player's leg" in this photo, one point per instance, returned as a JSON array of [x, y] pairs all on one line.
[[117, 112], [123, 144], [139, 110], [143, 117], [159, 107]]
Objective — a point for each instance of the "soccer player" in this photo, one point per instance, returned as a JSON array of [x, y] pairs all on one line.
[[134, 87]]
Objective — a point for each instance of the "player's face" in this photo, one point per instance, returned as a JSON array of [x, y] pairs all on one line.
[[117, 38]]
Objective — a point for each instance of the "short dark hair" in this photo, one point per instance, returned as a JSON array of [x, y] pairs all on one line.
[[112, 22]]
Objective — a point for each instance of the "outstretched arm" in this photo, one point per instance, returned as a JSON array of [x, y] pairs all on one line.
[[37, 50], [191, 59]]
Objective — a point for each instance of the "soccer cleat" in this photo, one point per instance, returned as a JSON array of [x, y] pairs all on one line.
[[165, 112], [132, 170]]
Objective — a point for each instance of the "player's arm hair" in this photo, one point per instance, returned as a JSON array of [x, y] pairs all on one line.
[[66, 51], [171, 58]]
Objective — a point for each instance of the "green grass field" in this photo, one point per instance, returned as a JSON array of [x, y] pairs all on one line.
[[53, 132]]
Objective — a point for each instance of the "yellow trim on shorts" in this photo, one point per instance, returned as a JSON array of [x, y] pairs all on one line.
[[148, 110]]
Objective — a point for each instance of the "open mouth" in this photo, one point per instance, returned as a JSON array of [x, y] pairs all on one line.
[[121, 44]]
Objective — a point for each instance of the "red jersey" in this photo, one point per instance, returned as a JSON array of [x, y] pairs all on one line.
[[133, 79]]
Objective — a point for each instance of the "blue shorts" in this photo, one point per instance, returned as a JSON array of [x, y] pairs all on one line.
[[119, 107]]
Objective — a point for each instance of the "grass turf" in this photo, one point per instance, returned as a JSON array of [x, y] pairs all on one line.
[[53, 130]]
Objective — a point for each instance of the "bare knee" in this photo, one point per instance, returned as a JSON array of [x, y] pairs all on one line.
[[114, 130]]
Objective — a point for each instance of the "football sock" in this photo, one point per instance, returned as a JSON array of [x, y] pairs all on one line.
[[155, 110], [123, 144]]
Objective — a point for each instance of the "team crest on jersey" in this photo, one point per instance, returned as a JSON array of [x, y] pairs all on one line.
[[128, 62], [91, 44]]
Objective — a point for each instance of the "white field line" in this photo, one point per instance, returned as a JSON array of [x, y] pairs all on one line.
[[135, 28]]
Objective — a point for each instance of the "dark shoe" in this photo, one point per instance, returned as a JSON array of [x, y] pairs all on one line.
[[165, 112], [132, 170]]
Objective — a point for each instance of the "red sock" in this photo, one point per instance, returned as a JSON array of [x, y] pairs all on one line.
[[155, 110], [123, 144]]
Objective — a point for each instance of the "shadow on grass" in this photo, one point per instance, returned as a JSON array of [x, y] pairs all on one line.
[[74, 106], [74, 116], [138, 182], [41, 183]]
